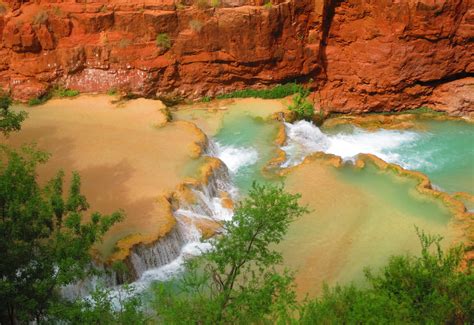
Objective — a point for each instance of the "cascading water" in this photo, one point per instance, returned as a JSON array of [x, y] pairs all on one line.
[[166, 257], [305, 138]]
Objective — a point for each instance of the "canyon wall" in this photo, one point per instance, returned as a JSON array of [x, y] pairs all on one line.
[[357, 55]]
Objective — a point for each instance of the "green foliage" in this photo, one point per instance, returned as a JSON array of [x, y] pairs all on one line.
[[279, 91], [215, 3], [301, 106], [429, 289], [45, 239], [9, 121], [100, 309], [40, 100], [163, 41], [422, 110], [64, 92], [237, 281], [268, 5], [206, 99]]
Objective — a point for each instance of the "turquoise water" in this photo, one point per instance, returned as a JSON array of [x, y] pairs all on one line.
[[444, 152], [246, 144]]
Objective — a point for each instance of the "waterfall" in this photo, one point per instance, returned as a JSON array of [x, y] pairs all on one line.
[[166, 257], [304, 138]]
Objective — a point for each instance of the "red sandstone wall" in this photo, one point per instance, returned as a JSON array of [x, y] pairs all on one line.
[[361, 54]]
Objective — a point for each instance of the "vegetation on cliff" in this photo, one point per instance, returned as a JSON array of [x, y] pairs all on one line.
[[279, 91], [301, 106]]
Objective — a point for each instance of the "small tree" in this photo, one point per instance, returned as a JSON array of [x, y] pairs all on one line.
[[45, 241], [301, 106], [9, 121], [237, 282]]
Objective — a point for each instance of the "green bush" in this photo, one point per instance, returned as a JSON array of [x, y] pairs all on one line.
[[279, 91], [206, 99], [39, 100], [10, 121], [65, 92], [431, 289], [237, 282], [301, 106], [163, 41]]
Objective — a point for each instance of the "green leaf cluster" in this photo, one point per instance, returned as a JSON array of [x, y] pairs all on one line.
[[65, 92], [279, 91], [104, 306], [45, 238], [237, 281], [301, 106], [9, 121], [430, 289], [163, 40]]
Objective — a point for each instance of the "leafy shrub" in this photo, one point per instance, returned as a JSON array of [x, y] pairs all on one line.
[[163, 41], [39, 100], [65, 92], [10, 121], [279, 91], [240, 283], [268, 5], [206, 99], [430, 289], [301, 106], [215, 3]]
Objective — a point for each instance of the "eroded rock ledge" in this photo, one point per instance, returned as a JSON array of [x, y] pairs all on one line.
[[358, 55]]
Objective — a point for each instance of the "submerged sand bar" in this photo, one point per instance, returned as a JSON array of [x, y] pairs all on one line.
[[124, 154]]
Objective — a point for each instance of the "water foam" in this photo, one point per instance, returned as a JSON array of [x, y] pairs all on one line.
[[305, 138], [236, 158]]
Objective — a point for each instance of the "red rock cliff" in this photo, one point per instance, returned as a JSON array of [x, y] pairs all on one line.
[[359, 55]]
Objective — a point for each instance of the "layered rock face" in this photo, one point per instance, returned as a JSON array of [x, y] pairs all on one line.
[[358, 55], [391, 55]]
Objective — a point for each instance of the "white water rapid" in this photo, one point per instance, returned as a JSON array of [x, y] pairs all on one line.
[[304, 138], [166, 258]]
